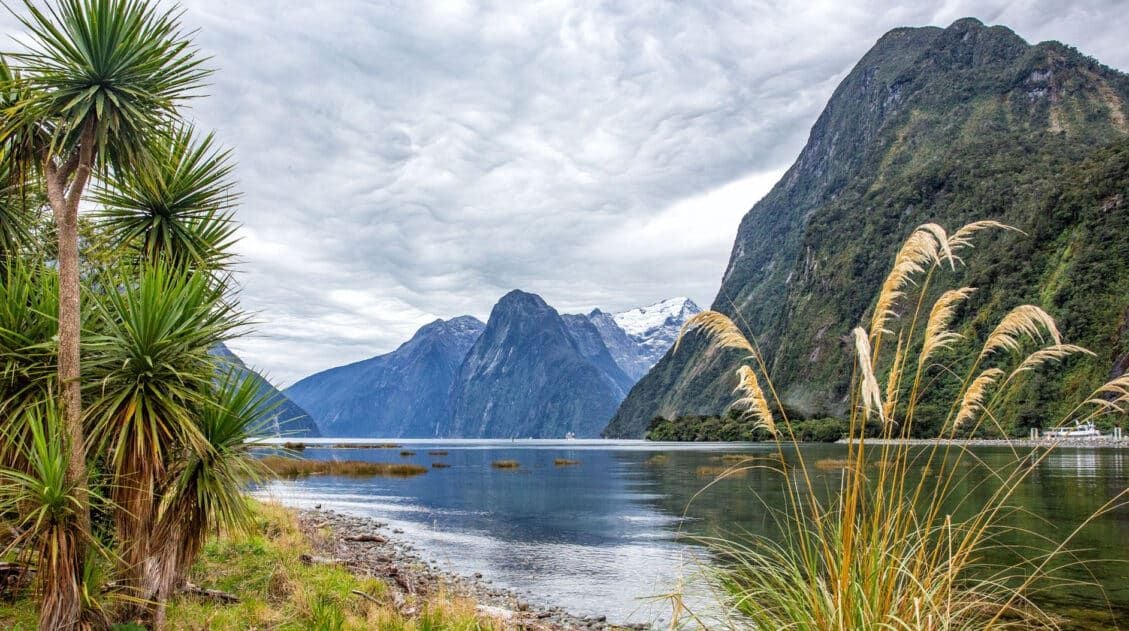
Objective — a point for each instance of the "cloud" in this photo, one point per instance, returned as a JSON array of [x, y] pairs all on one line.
[[402, 161]]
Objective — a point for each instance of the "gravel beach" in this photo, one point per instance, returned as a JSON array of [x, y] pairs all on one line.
[[368, 547]]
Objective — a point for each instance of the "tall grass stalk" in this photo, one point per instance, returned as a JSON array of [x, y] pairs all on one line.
[[884, 550]]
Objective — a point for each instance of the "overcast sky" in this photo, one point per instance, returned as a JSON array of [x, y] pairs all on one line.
[[403, 160]]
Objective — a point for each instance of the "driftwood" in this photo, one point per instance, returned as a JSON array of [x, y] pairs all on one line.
[[357, 592], [309, 559], [210, 594], [366, 539]]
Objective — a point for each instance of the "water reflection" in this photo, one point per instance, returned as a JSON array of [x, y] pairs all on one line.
[[603, 536]]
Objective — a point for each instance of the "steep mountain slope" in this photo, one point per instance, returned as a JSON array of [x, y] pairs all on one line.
[[404, 393], [947, 125], [527, 376], [287, 417], [591, 346]]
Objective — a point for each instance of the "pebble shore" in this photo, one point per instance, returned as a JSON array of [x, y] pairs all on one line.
[[368, 547]]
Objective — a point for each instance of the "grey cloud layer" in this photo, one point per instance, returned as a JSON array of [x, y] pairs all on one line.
[[403, 161]]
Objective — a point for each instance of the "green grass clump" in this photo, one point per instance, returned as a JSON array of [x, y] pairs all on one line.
[[277, 591], [505, 464], [296, 467]]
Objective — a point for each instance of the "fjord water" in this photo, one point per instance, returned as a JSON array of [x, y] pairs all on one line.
[[608, 535]]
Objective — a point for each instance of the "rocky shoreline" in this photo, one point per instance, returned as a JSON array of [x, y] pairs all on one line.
[[368, 547], [1103, 442]]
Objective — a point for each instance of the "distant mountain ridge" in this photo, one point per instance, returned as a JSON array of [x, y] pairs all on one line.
[[945, 125], [287, 418], [405, 393], [529, 371]]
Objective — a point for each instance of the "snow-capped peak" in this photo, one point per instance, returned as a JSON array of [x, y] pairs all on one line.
[[644, 321]]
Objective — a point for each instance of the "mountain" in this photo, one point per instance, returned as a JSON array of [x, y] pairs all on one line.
[[638, 338], [527, 375], [945, 125], [287, 417], [404, 393], [590, 343]]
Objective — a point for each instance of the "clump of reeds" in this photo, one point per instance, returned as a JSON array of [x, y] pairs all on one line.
[[438, 452], [279, 466], [294, 446], [439, 465], [735, 457], [407, 453], [565, 462], [830, 464], [886, 552], [707, 471], [505, 464]]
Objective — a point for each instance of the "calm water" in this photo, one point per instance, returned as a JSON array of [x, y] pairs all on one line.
[[608, 535]]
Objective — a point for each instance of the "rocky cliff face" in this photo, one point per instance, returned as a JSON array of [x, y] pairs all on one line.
[[527, 376], [945, 125], [287, 418], [404, 393], [650, 331]]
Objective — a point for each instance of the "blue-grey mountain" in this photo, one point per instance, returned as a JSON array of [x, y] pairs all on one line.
[[287, 417], [528, 376], [405, 393]]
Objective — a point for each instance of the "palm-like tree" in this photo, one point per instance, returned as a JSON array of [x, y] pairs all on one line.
[[204, 492], [29, 304], [150, 373], [179, 205], [94, 81], [46, 502]]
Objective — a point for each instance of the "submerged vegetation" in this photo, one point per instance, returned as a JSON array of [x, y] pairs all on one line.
[[279, 466], [885, 551]]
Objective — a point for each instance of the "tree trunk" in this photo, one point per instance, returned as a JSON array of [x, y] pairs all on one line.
[[64, 199]]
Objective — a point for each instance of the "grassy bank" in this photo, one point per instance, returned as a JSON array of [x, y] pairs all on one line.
[[277, 591]]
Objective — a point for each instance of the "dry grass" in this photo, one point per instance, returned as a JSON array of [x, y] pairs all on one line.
[[277, 591], [565, 462], [885, 552], [707, 471], [832, 464], [505, 464], [295, 467]]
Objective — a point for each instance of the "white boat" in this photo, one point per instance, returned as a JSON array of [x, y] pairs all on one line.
[[570, 436], [1080, 430]]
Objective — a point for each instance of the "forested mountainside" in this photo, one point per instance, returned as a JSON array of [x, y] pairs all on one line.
[[932, 125]]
